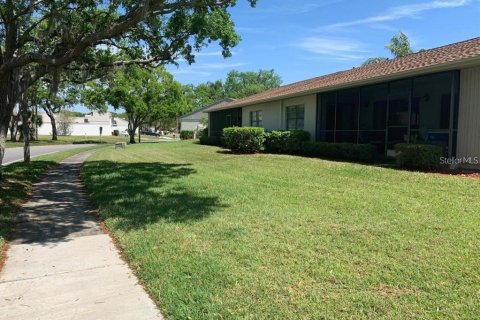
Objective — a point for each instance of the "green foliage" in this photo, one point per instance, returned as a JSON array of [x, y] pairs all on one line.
[[400, 45], [146, 95], [339, 151], [64, 123], [370, 61], [211, 140], [186, 134], [285, 141], [242, 84], [244, 139], [90, 35], [116, 133], [208, 93], [203, 132], [237, 85], [204, 121], [418, 156]]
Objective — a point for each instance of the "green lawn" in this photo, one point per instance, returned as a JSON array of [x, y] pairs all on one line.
[[17, 184], [219, 236]]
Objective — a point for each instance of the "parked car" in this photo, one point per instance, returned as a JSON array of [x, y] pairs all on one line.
[[150, 133]]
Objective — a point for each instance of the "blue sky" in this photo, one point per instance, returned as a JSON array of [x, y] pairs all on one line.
[[302, 39]]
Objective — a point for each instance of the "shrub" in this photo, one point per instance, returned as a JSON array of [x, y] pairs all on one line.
[[116, 133], [186, 134], [244, 139], [211, 140], [286, 141], [418, 156], [203, 133], [339, 151]]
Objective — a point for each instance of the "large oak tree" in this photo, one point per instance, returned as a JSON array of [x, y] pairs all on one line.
[[39, 37]]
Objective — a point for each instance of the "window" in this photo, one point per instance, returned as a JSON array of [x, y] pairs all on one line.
[[295, 117], [256, 118]]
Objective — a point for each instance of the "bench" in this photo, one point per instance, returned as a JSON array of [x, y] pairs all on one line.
[[120, 145]]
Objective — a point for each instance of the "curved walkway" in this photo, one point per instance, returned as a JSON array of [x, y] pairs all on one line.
[[61, 265]]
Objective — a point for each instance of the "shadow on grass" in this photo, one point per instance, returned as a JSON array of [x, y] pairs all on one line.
[[136, 195]]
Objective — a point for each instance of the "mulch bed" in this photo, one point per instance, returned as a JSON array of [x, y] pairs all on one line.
[[460, 173]]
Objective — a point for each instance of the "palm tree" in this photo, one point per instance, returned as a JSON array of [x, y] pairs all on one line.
[[399, 47], [370, 61]]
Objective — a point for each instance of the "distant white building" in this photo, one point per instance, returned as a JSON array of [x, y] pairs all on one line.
[[191, 121], [89, 125]]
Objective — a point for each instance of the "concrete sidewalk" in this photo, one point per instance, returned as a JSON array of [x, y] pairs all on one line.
[[60, 264]]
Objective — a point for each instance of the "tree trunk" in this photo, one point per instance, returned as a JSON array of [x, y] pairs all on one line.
[[131, 129], [3, 138], [5, 116], [131, 133], [14, 127], [26, 135], [49, 112], [54, 128]]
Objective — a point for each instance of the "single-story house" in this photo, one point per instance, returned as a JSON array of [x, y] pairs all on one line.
[[88, 125], [432, 97], [191, 120]]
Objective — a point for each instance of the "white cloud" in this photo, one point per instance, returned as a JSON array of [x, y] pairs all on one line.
[[400, 12], [333, 48]]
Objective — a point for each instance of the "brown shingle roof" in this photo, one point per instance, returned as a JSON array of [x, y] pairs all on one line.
[[446, 55]]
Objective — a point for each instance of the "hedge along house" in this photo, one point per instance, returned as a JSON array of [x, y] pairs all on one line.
[[429, 97]]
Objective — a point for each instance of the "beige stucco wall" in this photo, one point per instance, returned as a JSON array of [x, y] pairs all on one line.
[[274, 113], [310, 103], [189, 125], [271, 115], [468, 139]]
